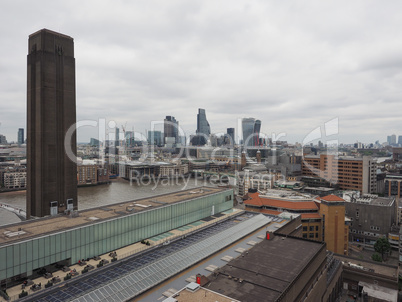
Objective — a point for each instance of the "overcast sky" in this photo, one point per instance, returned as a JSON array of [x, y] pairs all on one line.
[[295, 65]]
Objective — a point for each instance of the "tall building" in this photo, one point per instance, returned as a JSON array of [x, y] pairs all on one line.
[[257, 128], [117, 137], [52, 175], [3, 139], [391, 139], [171, 128], [248, 131], [129, 139], [202, 123], [20, 136], [400, 140], [231, 134], [155, 138], [94, 142]]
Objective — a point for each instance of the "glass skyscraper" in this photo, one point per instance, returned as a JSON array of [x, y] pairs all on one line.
[[203, 128]]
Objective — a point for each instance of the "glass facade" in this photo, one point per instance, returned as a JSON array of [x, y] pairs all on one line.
[[101, 237]]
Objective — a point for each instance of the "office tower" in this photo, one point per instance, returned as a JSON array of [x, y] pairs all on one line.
[[400, 140], [203, 129], [52, 175], [171, 128], [391, 139], [155, 138], [248, 131], [130, 139], [257, 128], [3, 139], [116, 138], [202, 123], [94, 142], [20, 136], [231, 134]]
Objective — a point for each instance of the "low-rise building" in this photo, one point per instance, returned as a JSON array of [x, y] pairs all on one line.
[[281, 268], [86, 175], [275, 202], [371, 217], [323, 218], [246, 180], [373, 281], [173, 170], [16, 179]]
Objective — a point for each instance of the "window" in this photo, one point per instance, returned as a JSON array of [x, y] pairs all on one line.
[[316, 228], [311, 228], [304, 235], [311, 235]]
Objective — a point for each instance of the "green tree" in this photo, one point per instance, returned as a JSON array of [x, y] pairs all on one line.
[[382, 246], [376, 257]]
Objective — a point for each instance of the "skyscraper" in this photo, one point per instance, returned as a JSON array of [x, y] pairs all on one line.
[[248, 131], [202, 123], [117, 137], [171, 128], [257, 128], [391, 139], [155, 138], [231, 135], [20, 136], [203, 129], [3, 139], [52, 175]]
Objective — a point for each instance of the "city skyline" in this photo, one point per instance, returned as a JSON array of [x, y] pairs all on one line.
[[292, 66]]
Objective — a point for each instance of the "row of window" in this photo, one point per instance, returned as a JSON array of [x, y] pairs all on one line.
[[311, 228], [310, 235]]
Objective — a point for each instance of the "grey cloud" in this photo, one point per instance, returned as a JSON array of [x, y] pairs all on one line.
[[294, 65]]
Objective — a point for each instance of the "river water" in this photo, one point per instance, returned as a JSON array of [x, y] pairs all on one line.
[[115, 192]]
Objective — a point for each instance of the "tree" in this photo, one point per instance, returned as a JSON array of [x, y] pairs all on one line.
[[376, 257], [382, 246]]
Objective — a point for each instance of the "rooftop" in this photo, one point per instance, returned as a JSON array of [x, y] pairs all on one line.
[[374, 200], [369, 266], [266, 271], [260, 201], [46, 225], [339, 158], [201, 295]]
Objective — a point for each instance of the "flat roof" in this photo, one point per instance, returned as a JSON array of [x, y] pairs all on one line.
[[339, 157], [376, 201], [46, 225], [201, 295], [378, 268], [266, 271]]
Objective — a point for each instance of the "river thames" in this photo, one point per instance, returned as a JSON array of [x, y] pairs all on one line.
[[117, 191]]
